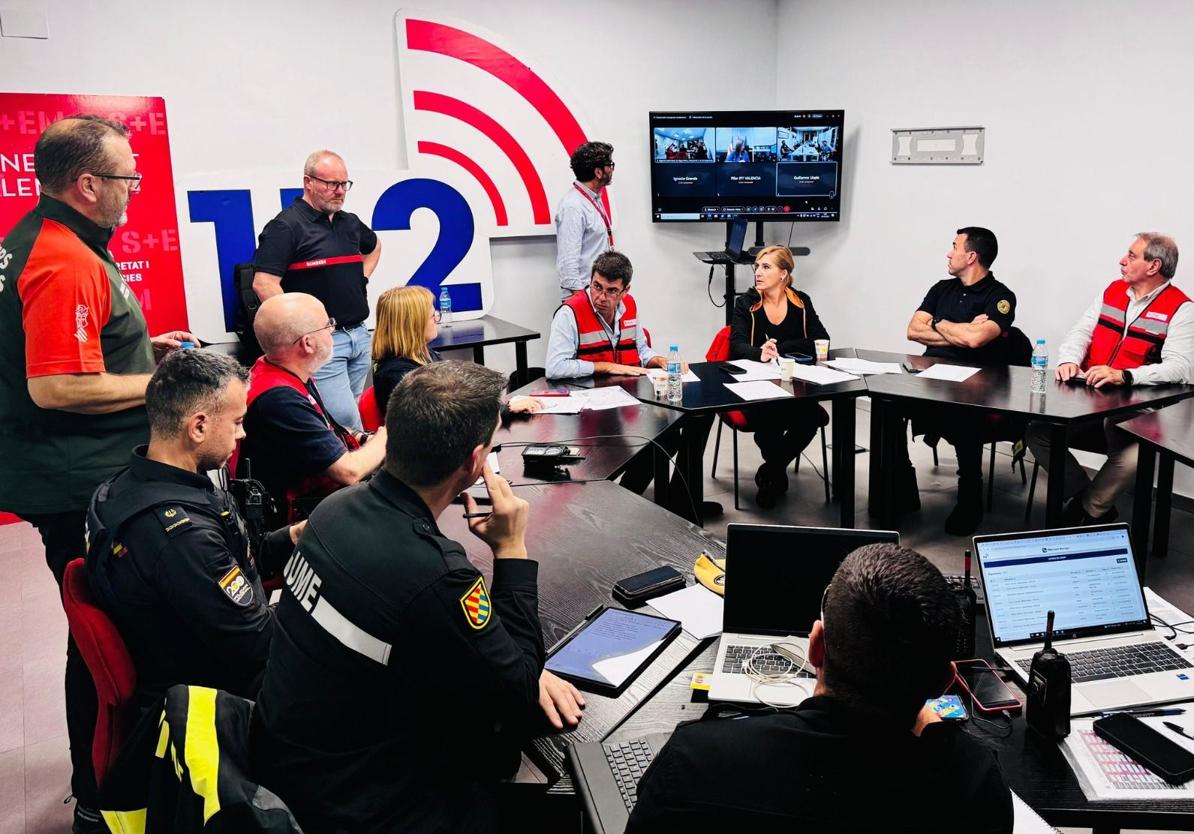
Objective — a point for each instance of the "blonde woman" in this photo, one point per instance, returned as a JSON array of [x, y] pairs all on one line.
[[407, 323], [773, 319]]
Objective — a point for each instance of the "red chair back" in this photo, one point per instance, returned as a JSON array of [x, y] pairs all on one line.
[[371, 416], [111, 667], [647, 336], [719, 351]]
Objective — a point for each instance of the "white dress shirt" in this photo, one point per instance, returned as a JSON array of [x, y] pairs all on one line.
[[581, 235]]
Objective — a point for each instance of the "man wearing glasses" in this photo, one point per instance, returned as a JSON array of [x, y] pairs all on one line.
[[297, 449], [317, 248], [75, 359], [583, 229]]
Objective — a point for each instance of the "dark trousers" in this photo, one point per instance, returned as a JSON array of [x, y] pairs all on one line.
[[965, 432], [64, 538], [692, 432], [783, 432]]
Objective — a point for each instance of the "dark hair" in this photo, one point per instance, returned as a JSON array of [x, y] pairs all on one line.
[[891, 624], [613, 265], [590, 156], [73, 146], [187, 381], [1159, 247], [981, 242], [436, 416]]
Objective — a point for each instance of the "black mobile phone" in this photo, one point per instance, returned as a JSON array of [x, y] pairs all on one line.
[[986, 689], [733, 369], [652, 583], [1163, 756], [801, 358], [907, 366]]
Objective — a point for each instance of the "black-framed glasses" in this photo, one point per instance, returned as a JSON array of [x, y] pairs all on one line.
[[331, 323], [135, 179], [612, 292], [334, 185]]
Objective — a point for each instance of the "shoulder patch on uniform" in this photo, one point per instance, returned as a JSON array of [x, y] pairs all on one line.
[[1004, 306], [476, 605], [173, 518], [237, 587]]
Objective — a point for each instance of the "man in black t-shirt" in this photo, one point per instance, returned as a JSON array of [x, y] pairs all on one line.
[[964, 320], [862, 754], [315, 247]]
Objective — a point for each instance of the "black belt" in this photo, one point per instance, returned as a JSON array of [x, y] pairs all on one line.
[[350, 326]]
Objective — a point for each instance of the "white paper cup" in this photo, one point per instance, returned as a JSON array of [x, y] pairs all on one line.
[[660, 383], [787, 367], [822, 346]]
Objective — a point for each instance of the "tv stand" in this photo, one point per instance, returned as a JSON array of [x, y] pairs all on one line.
[[747, 258]]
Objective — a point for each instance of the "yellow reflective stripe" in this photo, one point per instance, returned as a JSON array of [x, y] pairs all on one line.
[[202, 751], [125, 822], [163, 738]]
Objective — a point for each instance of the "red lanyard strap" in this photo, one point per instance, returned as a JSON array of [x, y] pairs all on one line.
[[608, 230]]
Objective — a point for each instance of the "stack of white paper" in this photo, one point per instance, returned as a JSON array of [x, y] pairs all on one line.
[[820, 375], [864, 366], [755, 370], [599, 399], [950, 373], [758, 389], [697, 608]]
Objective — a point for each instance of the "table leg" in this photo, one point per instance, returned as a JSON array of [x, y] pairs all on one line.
[[479, 355], [1146, 464], [886, 432], [874, 487], [691, 458], [1164, 507], [1058, 449], [662, 474], [520, 358], [843, 457]]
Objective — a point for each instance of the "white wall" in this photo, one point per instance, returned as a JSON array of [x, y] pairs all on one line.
[[1088, 122], [256, 85]]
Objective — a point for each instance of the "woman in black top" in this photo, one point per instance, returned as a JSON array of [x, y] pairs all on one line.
[[407, 323], [773, 320]]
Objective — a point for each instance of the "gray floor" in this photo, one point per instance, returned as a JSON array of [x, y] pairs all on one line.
[[34, 765]]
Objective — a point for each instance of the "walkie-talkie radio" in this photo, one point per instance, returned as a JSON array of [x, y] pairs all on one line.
[[967, 607], [1048, 709]]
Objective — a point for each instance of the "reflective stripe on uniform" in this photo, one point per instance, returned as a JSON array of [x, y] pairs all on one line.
[[201, 750], [350, 634]]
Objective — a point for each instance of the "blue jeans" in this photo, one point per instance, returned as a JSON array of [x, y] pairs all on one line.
[[342, 379]]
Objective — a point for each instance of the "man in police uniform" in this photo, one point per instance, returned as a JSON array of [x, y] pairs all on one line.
[[1138, 331], [316, 247], [965, 321], [75, 357], [170, 559], [399, 681]]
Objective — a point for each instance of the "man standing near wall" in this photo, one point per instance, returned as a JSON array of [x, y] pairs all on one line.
[[1138, 331], [75, 359], [583, 230], [317, 248]]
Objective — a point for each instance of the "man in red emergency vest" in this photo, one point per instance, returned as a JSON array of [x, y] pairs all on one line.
[[297, 450], [1139, 331]]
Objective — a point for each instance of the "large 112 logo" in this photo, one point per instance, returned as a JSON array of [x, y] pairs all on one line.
[[488, 141]]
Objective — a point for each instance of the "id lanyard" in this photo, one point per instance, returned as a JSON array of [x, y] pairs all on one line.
[[609, 232]]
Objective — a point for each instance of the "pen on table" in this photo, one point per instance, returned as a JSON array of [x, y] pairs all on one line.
[[1177, 728], [1145, 713]]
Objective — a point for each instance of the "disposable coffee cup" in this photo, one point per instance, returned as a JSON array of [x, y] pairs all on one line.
[[787, 367], [660, 383], [822, 346]]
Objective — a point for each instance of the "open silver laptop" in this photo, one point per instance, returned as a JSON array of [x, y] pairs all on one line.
[[775, 577], [1087, 575]]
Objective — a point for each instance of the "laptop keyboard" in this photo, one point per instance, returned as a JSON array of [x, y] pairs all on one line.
[[1120, 662], [628, 762], [767, 662]]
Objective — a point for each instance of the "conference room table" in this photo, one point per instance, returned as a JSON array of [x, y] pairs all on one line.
[[709, 395], [482, 332], [1004, 390], [1166, 437]]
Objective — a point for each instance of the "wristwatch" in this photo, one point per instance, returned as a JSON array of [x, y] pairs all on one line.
[[935, 323], [1127, 377]]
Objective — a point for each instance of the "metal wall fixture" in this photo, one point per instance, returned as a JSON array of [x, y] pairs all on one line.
[[938, 146]]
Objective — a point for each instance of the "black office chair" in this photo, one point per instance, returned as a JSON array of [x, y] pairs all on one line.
[[521, 378]]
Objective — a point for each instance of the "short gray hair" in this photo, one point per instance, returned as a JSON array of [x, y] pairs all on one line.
[[313, 160], [185, 382], [73, 146], [1159, 247], [436, 416]]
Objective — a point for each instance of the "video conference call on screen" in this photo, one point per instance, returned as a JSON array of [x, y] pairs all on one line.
[[779, 165]]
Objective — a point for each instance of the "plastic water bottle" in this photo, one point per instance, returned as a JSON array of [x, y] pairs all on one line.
[[675, 381], [445, 308], [1040, 366]]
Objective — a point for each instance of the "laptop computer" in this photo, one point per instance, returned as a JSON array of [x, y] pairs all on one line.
[[734, 243], [1087, 575], [775, 578]]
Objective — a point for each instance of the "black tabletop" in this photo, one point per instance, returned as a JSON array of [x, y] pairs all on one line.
[[608, 439], [1170, 430], [1007, 389], [486, 330], [711, 395]]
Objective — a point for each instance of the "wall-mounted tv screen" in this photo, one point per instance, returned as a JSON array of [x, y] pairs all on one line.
[[757, 164]]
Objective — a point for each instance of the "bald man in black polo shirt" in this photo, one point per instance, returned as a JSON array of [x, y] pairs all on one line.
[[317, 248], [963, 320]]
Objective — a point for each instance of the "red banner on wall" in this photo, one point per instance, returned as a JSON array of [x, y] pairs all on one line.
[[146, 248]]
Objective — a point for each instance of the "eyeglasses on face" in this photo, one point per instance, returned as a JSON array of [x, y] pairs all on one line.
[[612, 292], [331, 324], [332, 185], [134, 179]]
